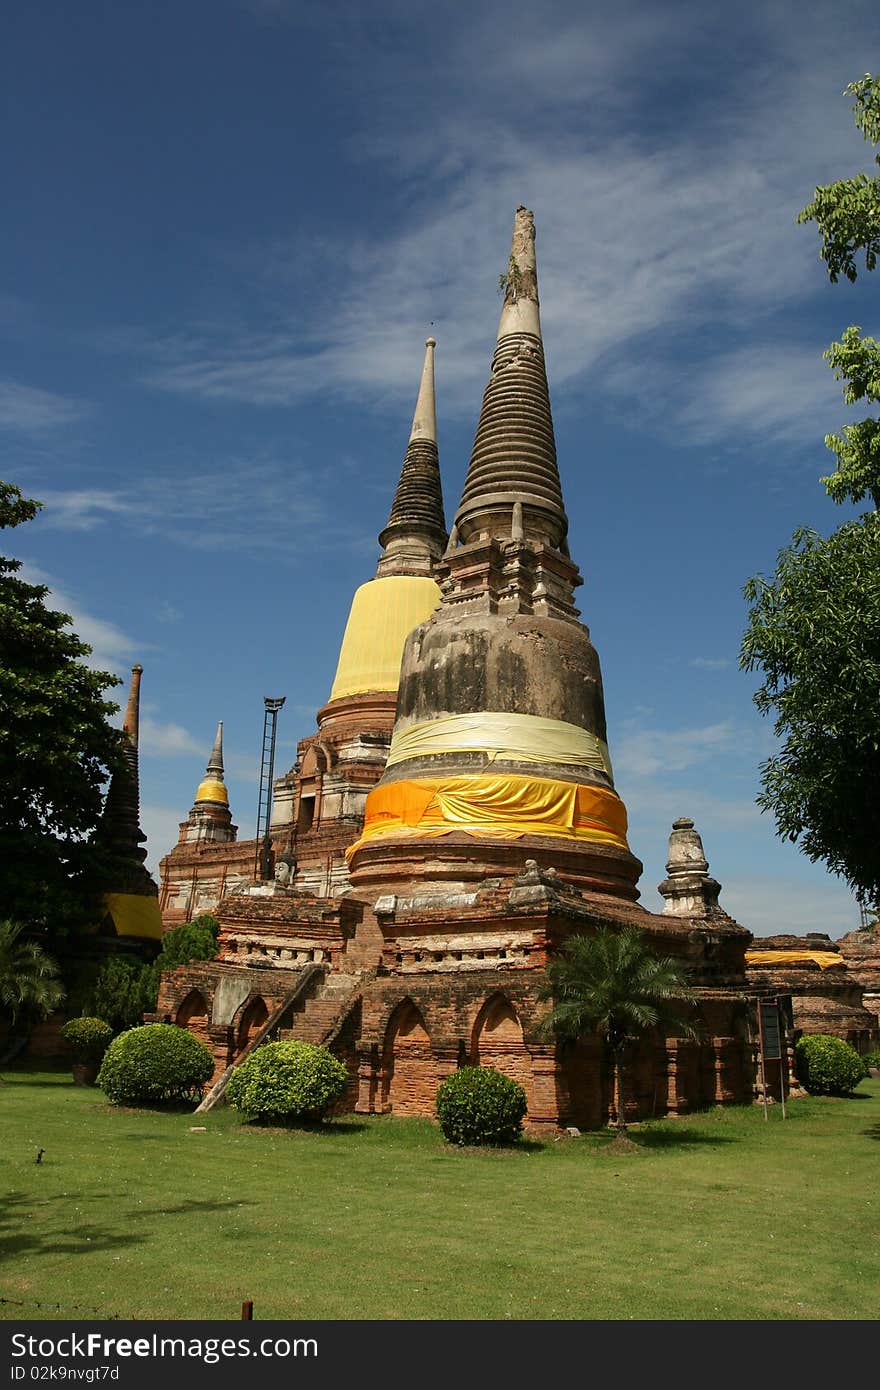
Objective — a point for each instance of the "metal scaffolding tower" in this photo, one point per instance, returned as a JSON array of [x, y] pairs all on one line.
[[263, 853]]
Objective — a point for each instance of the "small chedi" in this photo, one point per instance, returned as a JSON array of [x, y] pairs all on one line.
[[208, 859], [453, 820]]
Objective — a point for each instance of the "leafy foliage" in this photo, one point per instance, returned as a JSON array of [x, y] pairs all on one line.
[[156, 1062], [119, 989], [122, 989], [477, 1105], [87, 1038], [828, 1066], [856, 360], [814, 630], [611, 983], [29, 983], [287, 1081], [195, 940], [847, 212], [56, 750]]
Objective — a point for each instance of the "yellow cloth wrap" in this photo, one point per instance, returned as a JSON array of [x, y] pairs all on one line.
[[498, 807], [825, 959], [383, 614], [212, 790], [135, 915], [504, 736]]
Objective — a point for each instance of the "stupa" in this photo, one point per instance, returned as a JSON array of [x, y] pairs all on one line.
[[208, 859], [454, 819], [499, 750], [131, 895]]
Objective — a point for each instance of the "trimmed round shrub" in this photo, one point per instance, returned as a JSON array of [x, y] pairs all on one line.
[[156, 1062], [87, 1038], [828, 1066], [287, 1081], [476, 1105]]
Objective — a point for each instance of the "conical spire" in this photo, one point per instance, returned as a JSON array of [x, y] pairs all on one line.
[[215, 764], [131, 723], [131, 895], [416, 534], [120, 825], [213, 788], [424, 425], [513, 463]]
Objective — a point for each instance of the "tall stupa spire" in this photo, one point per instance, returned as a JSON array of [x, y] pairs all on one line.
[[215, 763], [131, 894], [415, 536], [131, 724], [404, 592], [512, 487], [121, 829], [499, 748], [363, 697]]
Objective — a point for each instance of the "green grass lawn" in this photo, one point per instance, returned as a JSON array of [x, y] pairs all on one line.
[[720, 1215]]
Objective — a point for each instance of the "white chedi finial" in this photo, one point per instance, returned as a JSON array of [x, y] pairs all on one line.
[[424, 425], [520, 312], [215, 764]]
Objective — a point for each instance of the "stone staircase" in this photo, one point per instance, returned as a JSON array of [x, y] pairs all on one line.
[[324, 1014]]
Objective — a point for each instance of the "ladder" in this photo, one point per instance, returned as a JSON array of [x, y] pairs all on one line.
[[263, 851]]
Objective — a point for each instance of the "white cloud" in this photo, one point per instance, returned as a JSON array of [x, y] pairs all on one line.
[[770, 906], [29, 410], [776, 391], [710, 663], [166, 740], [654, 807], [161, 825], [82, 509], [239, 505], [645, 238], [112, 649], [644, 752]]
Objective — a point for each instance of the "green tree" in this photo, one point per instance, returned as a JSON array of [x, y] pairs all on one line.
[[611, 983], [195, 940], [118, 989], [29, 983], [56, 750], [814, 628], [846, 212], [122, 989]]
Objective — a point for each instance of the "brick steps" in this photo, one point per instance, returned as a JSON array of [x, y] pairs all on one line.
[[323, 1013]]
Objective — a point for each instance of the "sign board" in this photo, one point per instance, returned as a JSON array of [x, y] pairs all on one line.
[[771, 1033]]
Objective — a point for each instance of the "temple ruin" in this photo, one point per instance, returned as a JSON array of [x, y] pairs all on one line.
[[453, 818]]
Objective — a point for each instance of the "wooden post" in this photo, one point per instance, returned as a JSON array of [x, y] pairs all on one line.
[[247, 1310]]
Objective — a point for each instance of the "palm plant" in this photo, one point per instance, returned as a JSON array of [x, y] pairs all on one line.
[[611, 983], [29, 982]]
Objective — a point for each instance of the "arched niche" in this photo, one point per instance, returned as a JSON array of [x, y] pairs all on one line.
[[193, 1014], [194, 1006], [253, 1017], [497, 1041], [408, 1065]]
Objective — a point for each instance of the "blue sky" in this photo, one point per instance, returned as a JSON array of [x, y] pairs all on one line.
[[228, 228]]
